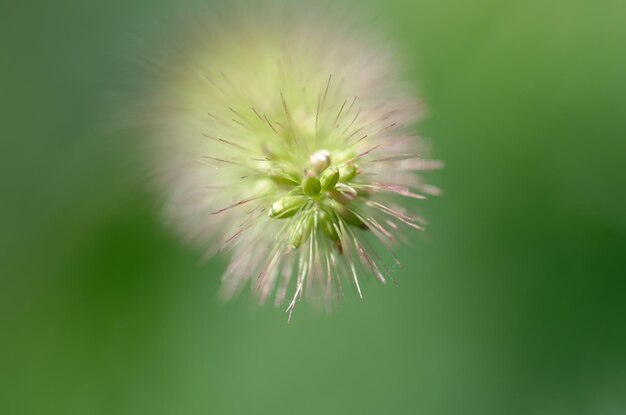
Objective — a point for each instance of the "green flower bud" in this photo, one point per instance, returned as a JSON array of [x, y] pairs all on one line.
[[347, 172], [311, 186], [286, 206], [329, 178]]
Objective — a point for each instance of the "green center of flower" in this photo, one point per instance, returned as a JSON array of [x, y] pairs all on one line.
[[319, 199]]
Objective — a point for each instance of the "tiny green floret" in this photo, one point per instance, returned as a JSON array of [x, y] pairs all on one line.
[[329, 178], [311, 186], [286, 206]]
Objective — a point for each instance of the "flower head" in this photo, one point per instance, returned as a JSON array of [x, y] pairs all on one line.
[[286, 143]]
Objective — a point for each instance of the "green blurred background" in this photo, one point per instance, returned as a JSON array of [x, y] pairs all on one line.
[[513, 302]]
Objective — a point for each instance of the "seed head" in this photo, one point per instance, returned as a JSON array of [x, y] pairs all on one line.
[[285, 141]]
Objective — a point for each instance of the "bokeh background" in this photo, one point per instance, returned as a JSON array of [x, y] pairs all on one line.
[[513, 302]]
